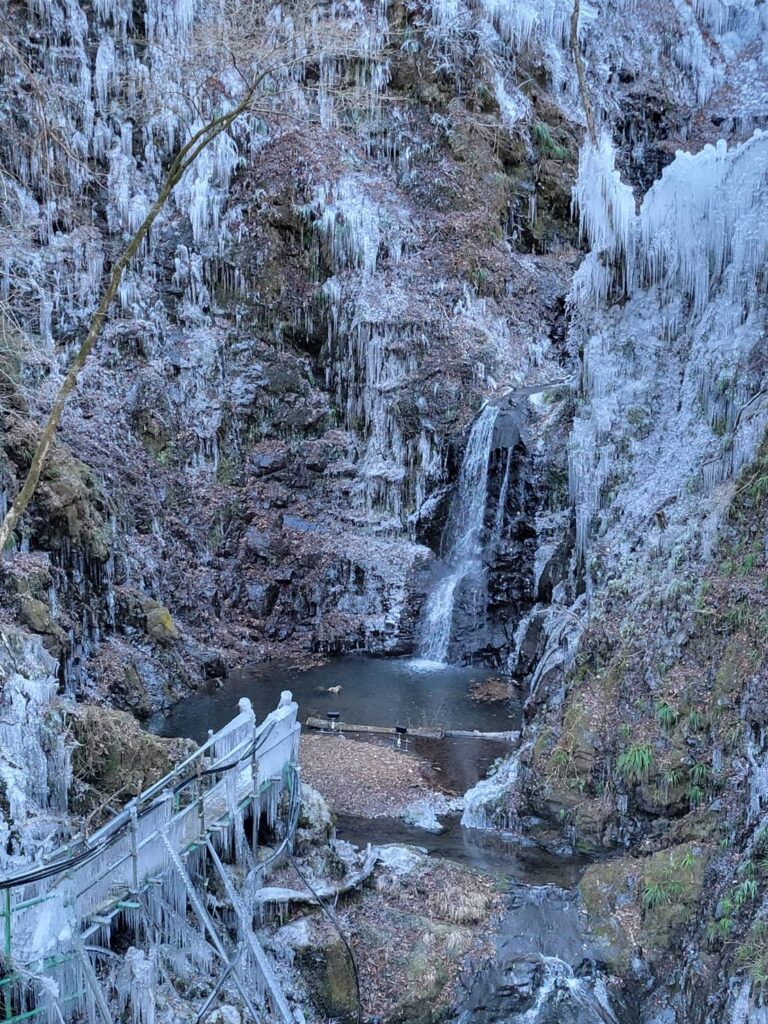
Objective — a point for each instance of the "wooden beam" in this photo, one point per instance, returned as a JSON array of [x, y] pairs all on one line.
[[431, 734]]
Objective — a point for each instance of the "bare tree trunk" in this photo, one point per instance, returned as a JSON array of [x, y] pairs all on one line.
[[183, 160], [581, 73]]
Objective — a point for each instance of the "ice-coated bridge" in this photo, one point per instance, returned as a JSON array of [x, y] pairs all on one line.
[[143, 873]]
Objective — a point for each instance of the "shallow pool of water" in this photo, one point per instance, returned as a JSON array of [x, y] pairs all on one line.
[[374, 691], [495, 853]]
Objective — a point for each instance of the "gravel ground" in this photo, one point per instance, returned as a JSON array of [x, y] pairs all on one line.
[[365, 779]]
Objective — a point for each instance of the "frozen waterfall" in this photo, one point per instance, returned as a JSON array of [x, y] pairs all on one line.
[[463, 540]]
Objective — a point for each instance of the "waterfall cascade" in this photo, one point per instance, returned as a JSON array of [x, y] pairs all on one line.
[[462, 540]]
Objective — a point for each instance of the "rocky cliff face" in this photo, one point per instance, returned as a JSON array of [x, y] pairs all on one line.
[[266, 436], [261, 458]]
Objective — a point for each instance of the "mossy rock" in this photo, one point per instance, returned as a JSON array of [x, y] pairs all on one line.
[[143, 612], [679, 873], [36, 615], [736, 665], [68, 503], [606, 887], [328, 973], [113, 754], [643, 903], [160, 624]]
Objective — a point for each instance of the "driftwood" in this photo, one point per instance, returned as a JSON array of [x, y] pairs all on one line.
[[430, 734], [273, 895]]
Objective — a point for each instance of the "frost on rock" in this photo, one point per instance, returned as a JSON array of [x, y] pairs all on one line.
[[136, 985], [35, 768], [490, 803], [671, 404]]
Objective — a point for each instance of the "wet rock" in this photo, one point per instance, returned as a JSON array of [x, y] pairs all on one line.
[[542, 947], [151, 411], [259, 542], [299, 525], [265, 462]]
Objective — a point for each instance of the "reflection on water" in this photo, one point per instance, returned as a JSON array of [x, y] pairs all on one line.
[[496, 853], [374, 691]]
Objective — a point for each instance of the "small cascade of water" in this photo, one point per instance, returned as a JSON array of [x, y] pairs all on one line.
[[463, 538]]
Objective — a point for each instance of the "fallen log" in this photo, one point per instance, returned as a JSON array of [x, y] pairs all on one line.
[[273, 895]]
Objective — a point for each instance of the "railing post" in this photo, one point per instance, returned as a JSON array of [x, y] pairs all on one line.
[[200, 797], [134, 847], [7, 926], [7, 952], [255, 797]]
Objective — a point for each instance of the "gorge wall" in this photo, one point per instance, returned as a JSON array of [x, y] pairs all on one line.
[[411, 227]]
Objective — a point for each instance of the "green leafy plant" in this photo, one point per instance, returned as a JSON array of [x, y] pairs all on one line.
[[666, 715], [717, 929], [634, 764], [746, 890], [695, 721], [695, 795], [674, 888], [654, 895], [673, 777], [625, 731], [542, 134], [725, 907], [700, 774], [752, 954]]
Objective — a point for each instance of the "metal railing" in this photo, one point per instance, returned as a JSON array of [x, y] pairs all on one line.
[[50, 909]]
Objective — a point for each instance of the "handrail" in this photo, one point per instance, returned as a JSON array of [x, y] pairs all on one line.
[[104, 837]]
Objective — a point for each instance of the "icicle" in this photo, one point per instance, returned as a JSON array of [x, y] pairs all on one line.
[[490, 804]]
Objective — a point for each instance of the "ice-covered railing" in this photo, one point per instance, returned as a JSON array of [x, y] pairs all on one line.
[[73, 892]]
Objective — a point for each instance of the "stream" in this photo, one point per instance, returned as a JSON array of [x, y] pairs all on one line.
[[546, 969]]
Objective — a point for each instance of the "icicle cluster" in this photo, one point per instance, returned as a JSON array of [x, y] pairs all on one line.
[[35, 768], [674, 359]]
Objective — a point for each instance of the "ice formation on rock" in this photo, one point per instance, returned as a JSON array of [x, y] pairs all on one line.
[[691, 265], [490, 804], [35, 769]]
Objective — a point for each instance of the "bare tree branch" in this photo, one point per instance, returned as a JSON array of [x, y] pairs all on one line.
[[181, 162], [581, 74]]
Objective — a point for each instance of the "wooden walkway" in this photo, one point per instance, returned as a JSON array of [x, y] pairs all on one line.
[[135, 870]]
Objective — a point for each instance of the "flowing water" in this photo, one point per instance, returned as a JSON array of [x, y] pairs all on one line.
[[495, 853], [543, 970], [462, 562]]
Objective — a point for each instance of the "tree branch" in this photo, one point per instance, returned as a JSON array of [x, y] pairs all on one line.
[[581, 74], [181, 162]]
